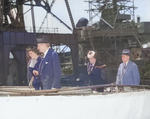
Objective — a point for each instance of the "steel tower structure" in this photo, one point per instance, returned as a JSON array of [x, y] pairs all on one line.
[[115, 29], [14, 38]]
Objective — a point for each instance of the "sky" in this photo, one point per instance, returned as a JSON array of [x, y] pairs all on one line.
[[78, 9]]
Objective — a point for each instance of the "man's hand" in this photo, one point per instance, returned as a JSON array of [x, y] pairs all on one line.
[[36, 73], [31, 82]]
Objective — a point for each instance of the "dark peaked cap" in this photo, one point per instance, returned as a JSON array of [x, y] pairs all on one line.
[[126, 52], [42, 39]]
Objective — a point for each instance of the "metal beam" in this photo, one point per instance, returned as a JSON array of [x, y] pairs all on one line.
[[140, 44], [33, 20], [70, 14]]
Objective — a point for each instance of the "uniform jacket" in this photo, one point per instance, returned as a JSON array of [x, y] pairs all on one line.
[[129, 76], [50, 70]]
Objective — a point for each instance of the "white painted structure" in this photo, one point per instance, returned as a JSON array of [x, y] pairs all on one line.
[[131, 105]]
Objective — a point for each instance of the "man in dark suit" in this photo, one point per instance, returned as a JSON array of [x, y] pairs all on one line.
[[128, 73], [49, 68]]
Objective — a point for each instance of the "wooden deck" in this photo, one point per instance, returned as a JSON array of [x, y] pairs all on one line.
[[86, 90]]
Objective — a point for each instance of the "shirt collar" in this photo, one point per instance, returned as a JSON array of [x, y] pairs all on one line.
[[127, 63], [45, 53]]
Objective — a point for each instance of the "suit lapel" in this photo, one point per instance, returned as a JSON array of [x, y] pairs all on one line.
[[45, 60], [128, 65]]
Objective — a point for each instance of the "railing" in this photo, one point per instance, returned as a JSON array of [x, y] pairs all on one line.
[[30, 29], [42, 30], [86, 90]]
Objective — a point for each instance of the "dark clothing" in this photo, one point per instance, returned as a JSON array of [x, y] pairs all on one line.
[[37, 81], [95, 73], [50, 70]]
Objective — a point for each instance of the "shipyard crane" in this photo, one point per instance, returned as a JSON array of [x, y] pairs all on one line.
[[14, 13], [14, 31]]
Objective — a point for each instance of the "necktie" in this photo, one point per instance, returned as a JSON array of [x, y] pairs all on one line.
[[125, 65], [124, 69], [90, 68]]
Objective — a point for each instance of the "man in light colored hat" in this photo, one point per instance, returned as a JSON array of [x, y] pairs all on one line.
[[128, 73], [49, 69]]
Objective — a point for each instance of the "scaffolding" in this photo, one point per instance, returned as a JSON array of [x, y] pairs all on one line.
[[111, 12]]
